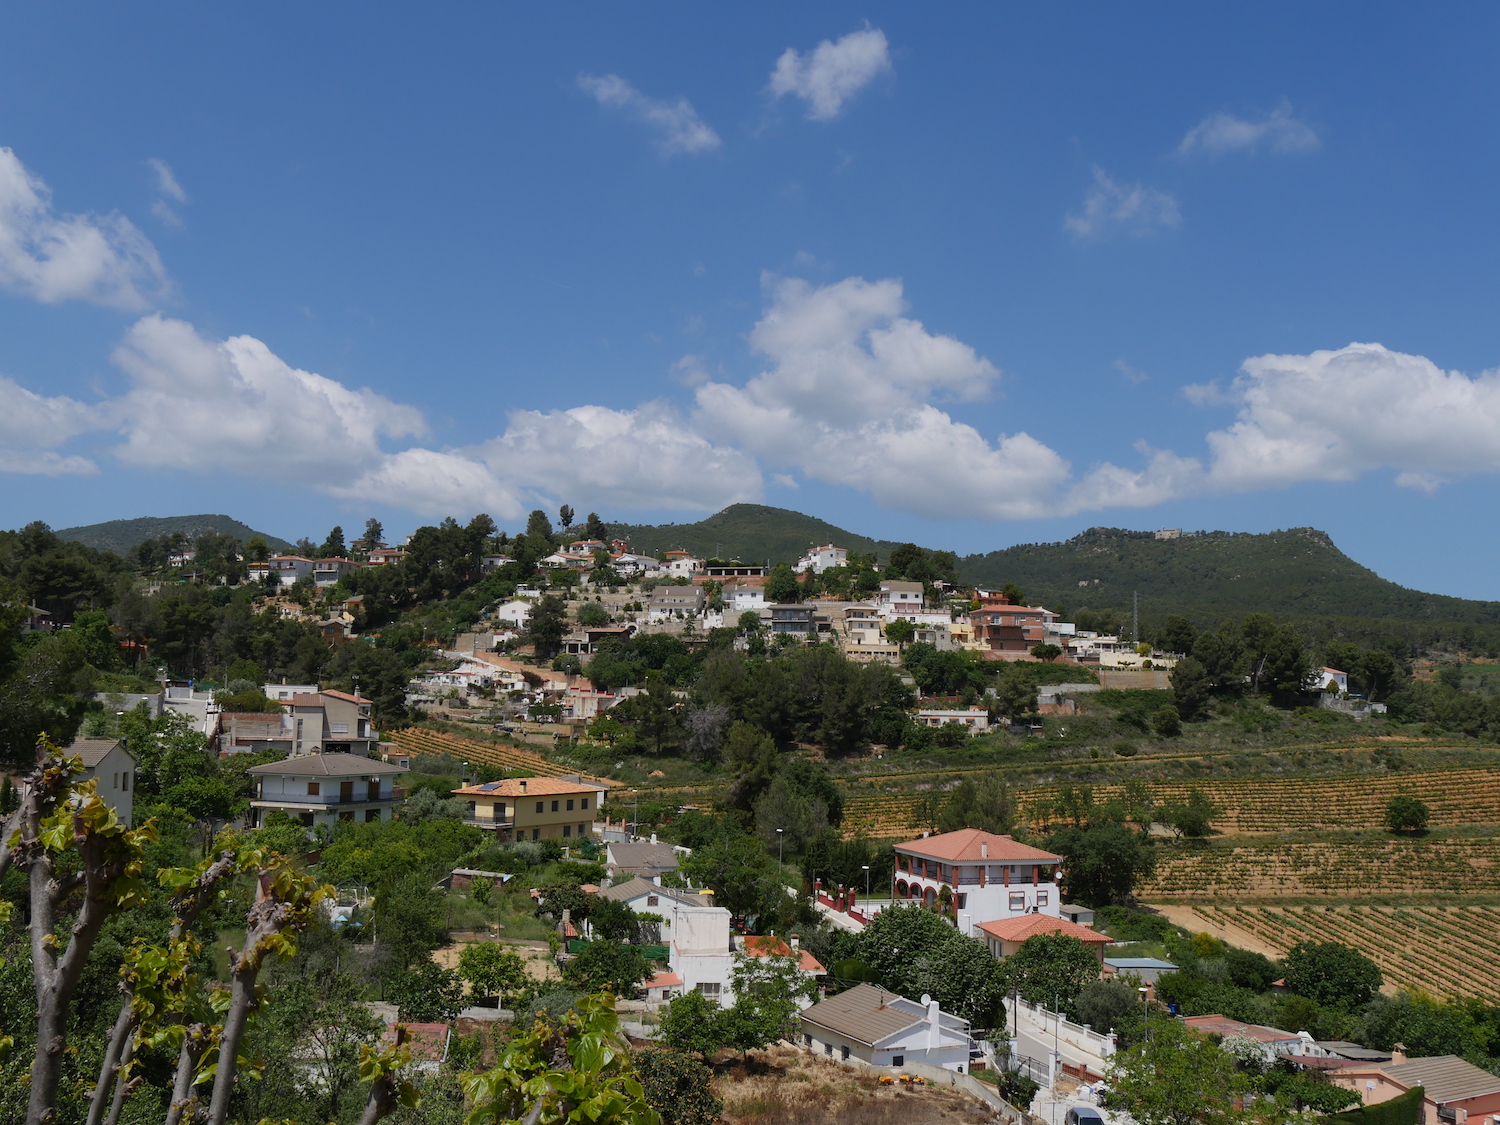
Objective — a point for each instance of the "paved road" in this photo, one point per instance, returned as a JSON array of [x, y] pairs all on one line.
[[1052, 1106]]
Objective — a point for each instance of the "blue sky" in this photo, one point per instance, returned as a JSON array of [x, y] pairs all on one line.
[[977, 277]]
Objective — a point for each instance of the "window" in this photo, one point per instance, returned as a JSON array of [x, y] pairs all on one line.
[[828, 1049], [651, 900], [339, 728], [709, 989], [125, 781], [539, 806], [554, 806], [807, 1040], [314, 788], [346, 816], [567, 830], [1017, 901], [583, 829], [898, 1060], [583, 804], [844, 1052], [536, 833], [963, 901], [1041, 898]]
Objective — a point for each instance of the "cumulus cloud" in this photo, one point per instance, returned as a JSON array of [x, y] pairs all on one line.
[[1335, 415], [168, 192], [33, 425], [233, 405], [1111, 207], [676, 124], [55, 257], [832, 73], [1278, 131], [848, 398]]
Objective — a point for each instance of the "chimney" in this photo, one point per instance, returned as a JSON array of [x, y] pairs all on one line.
[[984, 851], [1398, 1054], [796, 941], [653, 837], [523, 785], [934, 1027]]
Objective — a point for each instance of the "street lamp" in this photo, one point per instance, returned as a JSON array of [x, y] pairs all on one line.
[[865, 867], [1146, 1009], [780, 839]]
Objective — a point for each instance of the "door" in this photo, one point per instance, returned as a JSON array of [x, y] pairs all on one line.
[[346, 792]]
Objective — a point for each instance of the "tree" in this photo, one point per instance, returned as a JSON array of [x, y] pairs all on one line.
[[1191, 818], [547, 625], [426, 993], [592, 615], [1190, 687], [595, 528], [744, 879], [1331, 974], [987, 804], [1105, 1004], [1014, 593], [1046, 652], [1104, 862], [677, 1087], [565, 517], [768, 991], [492, 970], [374, 533], [1177, 1077], [576, 1070], [1406, 814], [914, 950], [900, 632], [1166, 721], [1049, 966], [606, 964], [333, 547], [690, 1024], [782, 585], [1177, 635]]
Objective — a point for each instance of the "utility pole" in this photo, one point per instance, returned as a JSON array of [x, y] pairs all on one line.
[[1137, 625]]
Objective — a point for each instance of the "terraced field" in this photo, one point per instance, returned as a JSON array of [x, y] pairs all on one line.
[[415, 740], [1252, 805], [1448, 951], [1462, 866]]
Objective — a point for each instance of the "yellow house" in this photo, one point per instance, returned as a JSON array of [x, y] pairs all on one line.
[[534, 808]]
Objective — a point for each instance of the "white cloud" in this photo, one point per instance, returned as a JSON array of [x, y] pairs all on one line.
[[204, 405], [168, 191], [53, 258], [32, 426], [1335, 415], [832, 73], [1219, 133], [1111, 206], [1133, 375], [677, 124], [846, 400]]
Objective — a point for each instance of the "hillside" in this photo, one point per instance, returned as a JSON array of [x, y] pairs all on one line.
[[1207, 576], [121, 535], [1298, 572], [752, 532]]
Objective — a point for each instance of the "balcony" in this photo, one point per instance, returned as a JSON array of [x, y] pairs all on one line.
[[321, 800], [488, 824]]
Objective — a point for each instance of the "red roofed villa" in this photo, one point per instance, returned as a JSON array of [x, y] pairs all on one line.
[[1005, 936], [992, 878]]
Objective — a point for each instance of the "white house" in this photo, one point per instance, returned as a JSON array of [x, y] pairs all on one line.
[[694, 930], [869, 1025], [989, 877], [286, 568], [108, 762], [977, 719], [899, 597], [514, 613], [632, 566], [819, 559], [740, 597], [493, 562], [327, 572], [1334, 680], [680, 564], [325, 788]]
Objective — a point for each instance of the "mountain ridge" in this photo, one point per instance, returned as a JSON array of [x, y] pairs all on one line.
[[120, 536]]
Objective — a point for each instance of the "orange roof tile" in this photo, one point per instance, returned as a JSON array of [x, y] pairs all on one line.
[[970, 845], [528, 787], [1029, 925], [772, 946], [664, 980]]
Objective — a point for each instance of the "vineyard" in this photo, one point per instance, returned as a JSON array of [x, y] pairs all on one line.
[[1446, 950], [1379, 866], [415, 740], [1250, 806]]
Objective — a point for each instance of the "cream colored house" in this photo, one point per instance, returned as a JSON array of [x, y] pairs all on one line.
[[535, 808]]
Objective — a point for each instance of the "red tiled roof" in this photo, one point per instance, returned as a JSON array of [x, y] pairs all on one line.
[[1029, 925], [345, 696], [664, 980], [772, 946], [964, 846], [305, 699], [529, 787]]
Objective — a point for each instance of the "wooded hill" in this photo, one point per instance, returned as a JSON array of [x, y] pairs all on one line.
[[121, 535], [1297, 573]]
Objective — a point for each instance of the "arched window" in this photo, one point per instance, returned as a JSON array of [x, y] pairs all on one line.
[[902, 889]]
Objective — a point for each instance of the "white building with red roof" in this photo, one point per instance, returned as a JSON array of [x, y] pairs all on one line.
[[990, 878], [1005, 936]]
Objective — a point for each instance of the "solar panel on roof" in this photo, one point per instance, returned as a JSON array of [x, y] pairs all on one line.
[[492, 785]]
